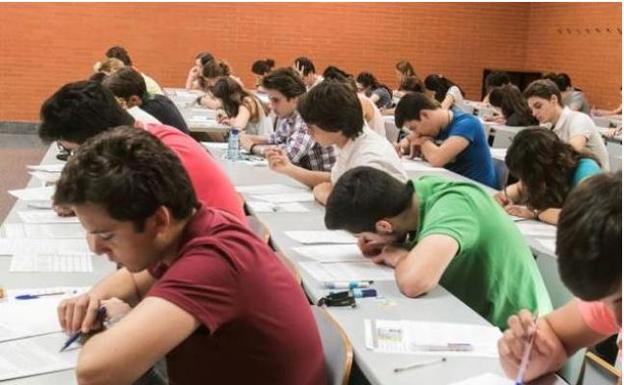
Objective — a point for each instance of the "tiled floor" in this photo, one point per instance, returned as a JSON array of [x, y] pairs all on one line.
[[16, 151]]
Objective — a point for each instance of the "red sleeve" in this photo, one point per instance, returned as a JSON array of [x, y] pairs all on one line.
[[202, 284]]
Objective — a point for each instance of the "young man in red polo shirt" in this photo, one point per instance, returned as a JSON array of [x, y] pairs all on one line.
[[204, 291]]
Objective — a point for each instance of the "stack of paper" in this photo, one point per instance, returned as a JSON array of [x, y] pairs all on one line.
[[10, 246], [348, 271], [322, 236], [431, 338], [52, 262], [46, 230]]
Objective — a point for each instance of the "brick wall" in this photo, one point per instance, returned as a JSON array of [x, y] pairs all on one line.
[[43, 46]]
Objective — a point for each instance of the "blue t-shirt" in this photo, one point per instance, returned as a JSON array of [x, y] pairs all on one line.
[[585, 168], [475, 162]]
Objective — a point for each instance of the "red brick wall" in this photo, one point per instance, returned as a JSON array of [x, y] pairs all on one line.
[[43, 46], [583, 40]]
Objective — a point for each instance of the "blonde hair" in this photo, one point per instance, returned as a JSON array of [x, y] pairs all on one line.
[[108, 66]]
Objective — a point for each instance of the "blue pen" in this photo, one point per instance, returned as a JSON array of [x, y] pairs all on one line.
[[347, 284], [524, 363], [35, 296], [101, 314]]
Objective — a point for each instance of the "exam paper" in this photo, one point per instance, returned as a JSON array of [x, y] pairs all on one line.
[[10, 246], [415, 165], [286, 198], [534, 229], [549, 244], [215, 145], [52, 262], [499, 153], [268, 207], [45, 216], [269, 189], [34, 193], [45, 230], [27, 318], [47, 177], [56, 167], [485, 379], [321, 236], [37, 355], [423, 338], [332, 253], [348, 271], [45, 204]]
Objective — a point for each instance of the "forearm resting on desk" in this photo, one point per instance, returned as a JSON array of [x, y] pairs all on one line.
[[122, 284]]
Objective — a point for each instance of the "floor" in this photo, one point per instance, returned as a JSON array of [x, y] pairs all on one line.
[[16, 151]]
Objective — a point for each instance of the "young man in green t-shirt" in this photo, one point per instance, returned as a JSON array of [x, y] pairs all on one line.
[[432, 230]]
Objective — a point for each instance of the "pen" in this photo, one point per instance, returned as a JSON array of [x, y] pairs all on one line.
[[359, 293], [101, 314], [450, 347], [348, 284], [420, 364], [35, 296], [525, 356]]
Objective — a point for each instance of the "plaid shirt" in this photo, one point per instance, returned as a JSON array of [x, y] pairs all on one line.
[[292, 133]]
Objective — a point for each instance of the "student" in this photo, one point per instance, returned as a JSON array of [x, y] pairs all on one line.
[[372, 114], [260, 68], [547, 170], [513, 105], [446, 138], [403, 69], [444, 91], [80, 110], [377, 92], [570, 96], [412, 84], [211, 72], [333, 115], [244, 110], [305, 68], [108, 66], [285, 87], [129, 87], [572, 127], [215, 290], [194, 80], [436, 231], [589, 255], [120, 53], [494, 80]]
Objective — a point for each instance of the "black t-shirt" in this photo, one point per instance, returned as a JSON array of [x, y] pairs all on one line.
[[163, 109]]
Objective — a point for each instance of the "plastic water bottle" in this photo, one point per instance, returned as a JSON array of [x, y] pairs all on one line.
[[233, 149]]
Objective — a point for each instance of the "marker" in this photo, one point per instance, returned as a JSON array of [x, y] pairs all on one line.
[[348, 284], [35, 296], [450, 347], [101, 314], [525, 356], [420, 364], [363, 293]]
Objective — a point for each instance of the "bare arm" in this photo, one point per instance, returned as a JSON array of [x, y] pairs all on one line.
[[578, 142], [278, 161]]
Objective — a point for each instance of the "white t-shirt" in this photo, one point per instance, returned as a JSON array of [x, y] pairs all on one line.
[[456, 94], [368, 149], [574, 123], [142, 116]]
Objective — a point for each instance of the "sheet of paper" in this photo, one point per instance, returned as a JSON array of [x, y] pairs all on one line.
[[10, 246], [215, 145], [37, 355], [535, 229], [47, 177], [321, 236], [348, 271], [255, 162], [549, 244], [332, 253], [415, 165], [269, 189], [430, 338], [45, 216], [40, 205], [498, 153], [268, 207], [286, 198], [34, 193], [56, 167], [485, 379], [27, 318], [46, 230], [52, 262]]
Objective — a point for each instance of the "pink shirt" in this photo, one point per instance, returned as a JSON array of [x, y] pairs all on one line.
[[599, 317]]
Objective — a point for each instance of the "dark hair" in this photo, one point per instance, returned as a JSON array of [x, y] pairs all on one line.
[[411, 105], [332, 106], [412, 84], [405, 68], [545, 164], [359, 199], [563, 81], [589, 238], [80, 110], [440, 85], [97, 77], [127, 165], [369, 81], [204, 57], [496, 79], [510, 100], [231, 93], [125, 83], [261, 67], [286, 81], [215, 69], [305, 64], [120, 53], [333, 72], [543, 88]]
